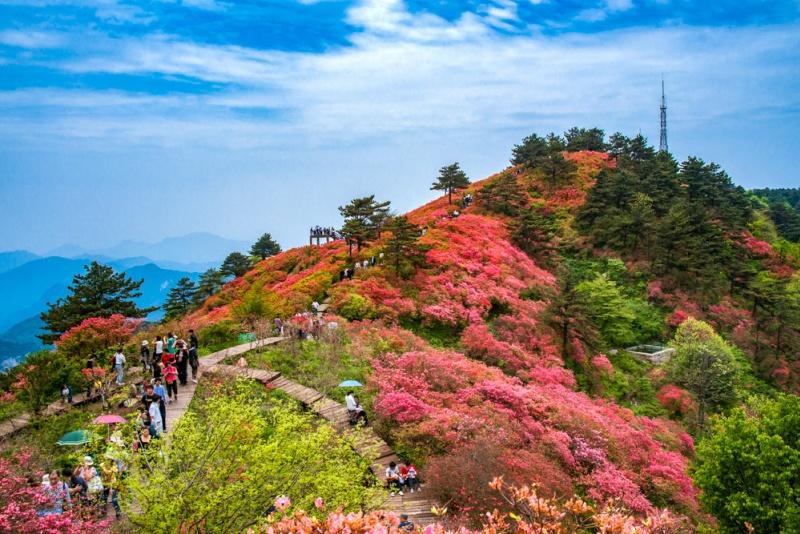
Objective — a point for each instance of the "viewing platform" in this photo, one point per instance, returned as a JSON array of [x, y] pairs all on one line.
[[318, 233]]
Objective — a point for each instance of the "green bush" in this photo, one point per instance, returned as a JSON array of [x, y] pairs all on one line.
[[219, 335]]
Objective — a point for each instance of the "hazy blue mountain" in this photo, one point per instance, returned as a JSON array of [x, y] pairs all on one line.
[[195, 248], [18, 341], [26, 290], [15, 258]]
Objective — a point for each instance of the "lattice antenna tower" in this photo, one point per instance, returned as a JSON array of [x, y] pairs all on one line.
[[662, 146]]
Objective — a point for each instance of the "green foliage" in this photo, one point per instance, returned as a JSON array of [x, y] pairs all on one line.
[[265, 247], [402, 249], [258, 305], [98, 293], [229, 458], [533, 231], [704, 364], [179, 298], [236, 265], [219, 335], [582, 139], [450, 178], [363, 218], [210, 282], [503, 195], [356, 307], [40, 379], [749, 469], [546, 155], [608, 310]]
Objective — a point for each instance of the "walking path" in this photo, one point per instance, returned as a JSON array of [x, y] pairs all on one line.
[[417, 506]]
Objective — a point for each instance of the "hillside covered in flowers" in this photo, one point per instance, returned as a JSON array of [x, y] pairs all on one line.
[[495, 337]]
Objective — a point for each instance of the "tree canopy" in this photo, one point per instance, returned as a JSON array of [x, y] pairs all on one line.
[[363, 218], [179, 298], [100, 292], [749, 468], [236, 265], [231, 456], [265, 247], [704, 365], [450, 178]]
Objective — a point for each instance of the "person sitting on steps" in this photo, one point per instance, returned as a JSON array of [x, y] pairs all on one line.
[[393, 479]]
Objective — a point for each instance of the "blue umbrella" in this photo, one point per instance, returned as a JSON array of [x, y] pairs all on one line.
[[351, 384]]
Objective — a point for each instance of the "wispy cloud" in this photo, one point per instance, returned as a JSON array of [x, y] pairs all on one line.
[[31, 39]]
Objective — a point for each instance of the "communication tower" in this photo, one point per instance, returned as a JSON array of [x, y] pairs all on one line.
[[662, 146]]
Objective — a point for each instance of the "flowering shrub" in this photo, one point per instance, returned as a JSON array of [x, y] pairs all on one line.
[[525, 513], [675, 400], [20, 502], [96, 334]]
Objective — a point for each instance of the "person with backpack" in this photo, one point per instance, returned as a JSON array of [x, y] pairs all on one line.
[[119, 363]]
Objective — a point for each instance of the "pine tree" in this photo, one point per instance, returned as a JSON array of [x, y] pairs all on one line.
[[209, 283], [98, 293], [402, 247], [450, 178], [180, 298], [582, 139], [503, 194], [236, 265], [265, 247], [533, 233], [363, 218]]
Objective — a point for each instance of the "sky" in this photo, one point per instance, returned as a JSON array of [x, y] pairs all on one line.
[[145, 120]]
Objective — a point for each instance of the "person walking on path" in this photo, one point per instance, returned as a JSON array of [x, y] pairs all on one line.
[[159, 351], [194, 363], [119, 364], [171, 343], [182, 361], [156, 422], [145, 350], [171, 377], [193, 340], [158, 389]]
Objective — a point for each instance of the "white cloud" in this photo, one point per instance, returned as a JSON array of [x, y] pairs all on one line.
[[31, 39]]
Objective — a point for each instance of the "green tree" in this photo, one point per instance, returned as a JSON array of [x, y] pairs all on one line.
[[180, 298], [209, 283], [608, 310], [532, 149], [533, 232], [265, 247], [451, 177], [568, 312], [503, 194], [749, 468], [545, 154], [363, 218], [236, 265], [229, 458], [100, 292], [582, 139], [703, 364], [39, 379], [402, 248]]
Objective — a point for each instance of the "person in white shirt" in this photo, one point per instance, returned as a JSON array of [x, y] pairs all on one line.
[[119, 364], [155, 417], [394, 479]]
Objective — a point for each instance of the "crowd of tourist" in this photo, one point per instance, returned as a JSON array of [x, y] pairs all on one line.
[[324, 231]]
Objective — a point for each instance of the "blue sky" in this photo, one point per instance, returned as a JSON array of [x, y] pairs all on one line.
[[143, 120]]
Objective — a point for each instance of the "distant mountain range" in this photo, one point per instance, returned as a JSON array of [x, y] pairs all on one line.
[[198, 248], [29, 281]]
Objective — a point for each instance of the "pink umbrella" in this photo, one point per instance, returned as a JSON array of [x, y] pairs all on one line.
[[109, 419]]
